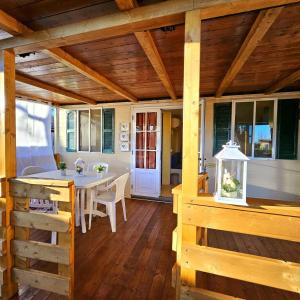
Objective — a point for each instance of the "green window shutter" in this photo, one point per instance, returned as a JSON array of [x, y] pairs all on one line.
[[71, 125], [222, 125], [287, 129], [108, 132]]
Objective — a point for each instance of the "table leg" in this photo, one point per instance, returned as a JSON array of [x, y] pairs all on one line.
[[77, 210], [82, 198], [91, 206]]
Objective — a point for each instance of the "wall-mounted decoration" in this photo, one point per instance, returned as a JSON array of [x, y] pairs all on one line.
[[124, 136], [124, 146], [124, 126]]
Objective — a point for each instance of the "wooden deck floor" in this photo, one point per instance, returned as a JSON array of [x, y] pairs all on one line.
[[136, 262]]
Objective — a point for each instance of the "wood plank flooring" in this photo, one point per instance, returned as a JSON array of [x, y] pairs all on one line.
[[136, 261], [133, 263]]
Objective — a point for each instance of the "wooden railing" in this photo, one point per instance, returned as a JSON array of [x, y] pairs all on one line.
[[18, 249], [265, 218]]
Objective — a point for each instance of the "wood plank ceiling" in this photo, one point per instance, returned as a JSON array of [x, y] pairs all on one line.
[[123, 60]]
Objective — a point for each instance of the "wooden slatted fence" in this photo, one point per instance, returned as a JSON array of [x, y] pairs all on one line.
[[265, 218], [17, 221]]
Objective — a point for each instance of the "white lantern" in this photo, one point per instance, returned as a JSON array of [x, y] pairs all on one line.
[[231, 175], [79, 166]]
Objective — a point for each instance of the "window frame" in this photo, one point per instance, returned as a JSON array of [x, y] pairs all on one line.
[[78, 130], [89, 129], [274, 136], [101, 129]]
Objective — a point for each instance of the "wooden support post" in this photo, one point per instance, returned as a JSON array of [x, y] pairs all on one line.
[[191, 92], [191, 101], [7, 159], [7, 114]]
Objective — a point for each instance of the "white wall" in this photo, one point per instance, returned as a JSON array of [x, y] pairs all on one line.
[[274, 179], [119, 162]]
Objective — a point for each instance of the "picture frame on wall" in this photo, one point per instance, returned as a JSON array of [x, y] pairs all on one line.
[[124, 146], [124, 126], [124, 136]]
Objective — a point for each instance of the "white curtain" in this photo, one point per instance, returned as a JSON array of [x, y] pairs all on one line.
[[33, 136]]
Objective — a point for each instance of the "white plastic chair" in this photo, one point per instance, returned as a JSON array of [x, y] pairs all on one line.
[[32, 170], [90, 168], [41, 205], [110, 199]]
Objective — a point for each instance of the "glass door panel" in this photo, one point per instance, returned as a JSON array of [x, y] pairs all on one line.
[[139, 159], [151, 160], [151, 121], [151, 140], [140, 141], [140, 121]]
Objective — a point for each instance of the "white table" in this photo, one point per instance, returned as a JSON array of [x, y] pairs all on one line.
[[86, 182]]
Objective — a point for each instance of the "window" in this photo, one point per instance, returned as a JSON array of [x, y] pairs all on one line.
[[260, 128], [244, 126], [253, 124], [95, 130], [83, 129], [264, 127], [71, 137]]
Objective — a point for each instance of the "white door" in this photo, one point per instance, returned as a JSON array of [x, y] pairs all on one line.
[[146, 152]]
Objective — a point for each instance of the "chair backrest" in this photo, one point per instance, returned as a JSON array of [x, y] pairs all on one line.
[[120, 184], [32, 170], [91, 166]]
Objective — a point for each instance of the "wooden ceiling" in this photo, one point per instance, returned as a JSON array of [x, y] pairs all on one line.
[[123, 61]]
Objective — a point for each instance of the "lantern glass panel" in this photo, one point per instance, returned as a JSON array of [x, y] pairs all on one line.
[[232, 179]]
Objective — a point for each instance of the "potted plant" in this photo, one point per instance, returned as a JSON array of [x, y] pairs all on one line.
[[99, 170], [62, 167]]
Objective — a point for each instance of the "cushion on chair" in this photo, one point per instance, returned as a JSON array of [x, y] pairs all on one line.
[[106, 197]]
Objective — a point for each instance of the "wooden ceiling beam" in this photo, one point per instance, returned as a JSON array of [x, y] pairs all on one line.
[[147, 42], [295, 76], [75, 64], [164, 13], [11, 25], [14, 27], [262, 24], [52, 88]]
